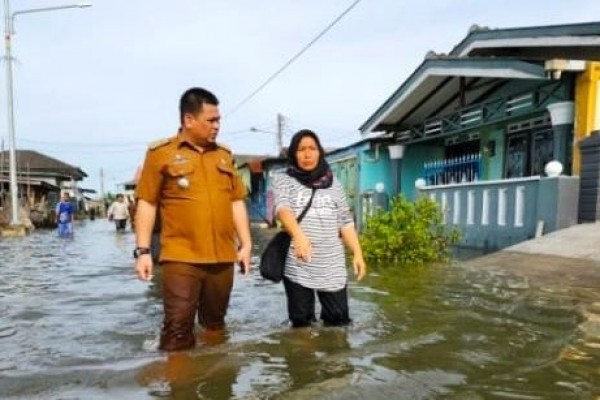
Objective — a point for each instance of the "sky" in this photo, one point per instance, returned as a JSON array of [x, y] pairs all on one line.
[[94, 86]]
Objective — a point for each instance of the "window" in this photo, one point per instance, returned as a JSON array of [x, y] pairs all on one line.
[[529, 148]]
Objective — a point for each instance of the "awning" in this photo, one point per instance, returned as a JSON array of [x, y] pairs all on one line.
[[436, 85]]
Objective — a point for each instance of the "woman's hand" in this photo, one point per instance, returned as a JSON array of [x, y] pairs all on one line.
[[360, 267], [302, 247]]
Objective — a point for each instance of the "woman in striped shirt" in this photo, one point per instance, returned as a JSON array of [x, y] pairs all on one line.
[[316, 260]]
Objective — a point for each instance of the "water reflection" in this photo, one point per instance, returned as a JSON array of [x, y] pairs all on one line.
[[75, 323]]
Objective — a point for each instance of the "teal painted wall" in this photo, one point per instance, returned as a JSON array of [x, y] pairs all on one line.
[[493, 165], [375, 168], [369, 167], [412, 165]]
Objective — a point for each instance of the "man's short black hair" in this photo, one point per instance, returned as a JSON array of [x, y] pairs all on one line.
[[193, 99]]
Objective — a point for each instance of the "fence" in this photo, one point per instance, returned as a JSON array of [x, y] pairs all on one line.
[[495, 214]]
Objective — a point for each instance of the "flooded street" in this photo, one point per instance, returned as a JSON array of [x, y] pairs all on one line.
[[76, 324]]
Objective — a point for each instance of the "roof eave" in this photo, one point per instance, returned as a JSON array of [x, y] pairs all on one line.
[[583, 35], [452, 67]]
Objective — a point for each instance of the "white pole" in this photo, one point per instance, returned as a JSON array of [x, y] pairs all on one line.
[[12, 152], [12, 145]]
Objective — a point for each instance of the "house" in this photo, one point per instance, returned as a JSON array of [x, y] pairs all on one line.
[[40, 180], [251, 173], [366, 171], [480, 125], [128, 187], [270, 166]]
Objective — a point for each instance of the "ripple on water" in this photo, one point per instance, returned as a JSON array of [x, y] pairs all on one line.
[[7, 331]]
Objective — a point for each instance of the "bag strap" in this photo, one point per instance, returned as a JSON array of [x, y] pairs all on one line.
[[303, 213]]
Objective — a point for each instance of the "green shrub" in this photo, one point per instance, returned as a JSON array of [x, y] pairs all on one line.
[[409, 233]]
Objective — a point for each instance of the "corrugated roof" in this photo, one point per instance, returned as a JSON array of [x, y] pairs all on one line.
[[35, 162]]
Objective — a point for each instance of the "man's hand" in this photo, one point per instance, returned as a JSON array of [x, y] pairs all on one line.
[[143, 267], [243, 258]]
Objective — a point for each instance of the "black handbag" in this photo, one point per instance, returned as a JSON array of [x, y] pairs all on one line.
[[272, 259]]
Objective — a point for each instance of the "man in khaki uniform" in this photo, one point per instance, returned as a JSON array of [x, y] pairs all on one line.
[[192, 181]]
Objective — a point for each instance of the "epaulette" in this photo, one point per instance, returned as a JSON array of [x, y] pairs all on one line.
[[222, 146], [159, 143]]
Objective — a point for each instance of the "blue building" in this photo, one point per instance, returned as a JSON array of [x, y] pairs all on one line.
[[364, 168], [480, 125]]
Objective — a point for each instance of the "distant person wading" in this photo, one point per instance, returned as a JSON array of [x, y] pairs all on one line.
[[64, 216], [118, 212]]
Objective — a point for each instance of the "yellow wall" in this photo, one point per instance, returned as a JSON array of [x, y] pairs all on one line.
[[587, 115]]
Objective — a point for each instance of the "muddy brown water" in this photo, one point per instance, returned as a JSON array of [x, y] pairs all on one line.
[[76, 324]]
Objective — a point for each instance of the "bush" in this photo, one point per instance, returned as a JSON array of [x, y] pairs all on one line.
[[409, 233]]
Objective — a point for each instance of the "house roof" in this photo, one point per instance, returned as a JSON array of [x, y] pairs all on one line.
[[241, 159], [481, 62], [32, 182], [570, 41], [434, 85], [79, 189], [136, 178], [382, 138], [34, 162]]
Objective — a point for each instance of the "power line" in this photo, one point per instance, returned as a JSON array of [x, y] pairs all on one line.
[[291, 60], [121, 145], [84, 144]]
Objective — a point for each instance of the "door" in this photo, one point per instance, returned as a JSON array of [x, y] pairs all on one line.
[[541, 150], [517, 151]]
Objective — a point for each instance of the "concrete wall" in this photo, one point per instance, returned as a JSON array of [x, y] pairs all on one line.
[[496, 214]]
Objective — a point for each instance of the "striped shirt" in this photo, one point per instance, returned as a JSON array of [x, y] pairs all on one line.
[[328, 213]]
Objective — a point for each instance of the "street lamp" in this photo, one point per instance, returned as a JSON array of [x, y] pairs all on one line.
[[278, 136], [8, 32]]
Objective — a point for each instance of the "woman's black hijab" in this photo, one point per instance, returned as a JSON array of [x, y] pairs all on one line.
[[319, 178]]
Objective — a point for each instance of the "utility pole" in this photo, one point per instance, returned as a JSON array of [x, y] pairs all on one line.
[[2, 170], [279, 133], [102, 184], [12, 153], [12, 143], [102, 209]]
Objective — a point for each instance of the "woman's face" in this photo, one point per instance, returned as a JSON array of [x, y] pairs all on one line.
[[307, 154]]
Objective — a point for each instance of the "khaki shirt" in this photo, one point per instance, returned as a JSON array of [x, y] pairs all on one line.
[[194, 191]]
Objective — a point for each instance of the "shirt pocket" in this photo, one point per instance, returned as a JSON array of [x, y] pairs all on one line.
[[179, 170], [178, 178], [225, 177]]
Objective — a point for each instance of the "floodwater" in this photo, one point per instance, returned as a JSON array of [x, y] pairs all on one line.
[[76, 324]]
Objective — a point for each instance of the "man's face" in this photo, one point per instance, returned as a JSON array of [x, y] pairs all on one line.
[[203, 127]]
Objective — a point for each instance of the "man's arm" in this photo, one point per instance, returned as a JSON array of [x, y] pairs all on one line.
[[242, 227], [144, 222]]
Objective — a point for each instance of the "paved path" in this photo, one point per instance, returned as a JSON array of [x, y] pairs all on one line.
[[579, 241], [569, 257]]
